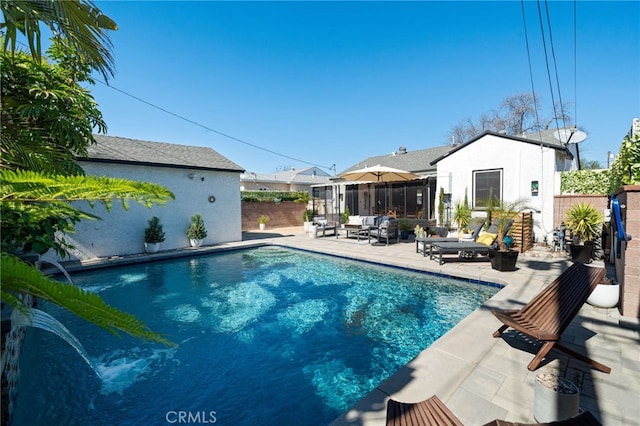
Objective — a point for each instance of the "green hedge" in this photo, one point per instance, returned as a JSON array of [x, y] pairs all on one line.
[[274, 196], [585, 182]]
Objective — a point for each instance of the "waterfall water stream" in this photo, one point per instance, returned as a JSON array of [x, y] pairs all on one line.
[[19, 320]]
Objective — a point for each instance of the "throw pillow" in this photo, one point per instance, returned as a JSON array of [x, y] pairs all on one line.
[[486, 238], [355, 220]]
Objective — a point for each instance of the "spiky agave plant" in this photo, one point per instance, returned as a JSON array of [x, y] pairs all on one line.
[[584, 221]]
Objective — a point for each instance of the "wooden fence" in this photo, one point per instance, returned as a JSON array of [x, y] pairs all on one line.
[[522, 231]]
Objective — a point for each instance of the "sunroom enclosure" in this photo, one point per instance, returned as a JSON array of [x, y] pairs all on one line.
[[411, 200]]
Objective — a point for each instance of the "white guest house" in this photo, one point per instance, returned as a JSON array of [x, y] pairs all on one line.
[[203, 182]]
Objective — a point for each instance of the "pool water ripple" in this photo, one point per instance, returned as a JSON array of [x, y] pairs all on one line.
[[266, 335]]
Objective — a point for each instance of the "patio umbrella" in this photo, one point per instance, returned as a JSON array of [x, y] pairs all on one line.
[[379, 174]]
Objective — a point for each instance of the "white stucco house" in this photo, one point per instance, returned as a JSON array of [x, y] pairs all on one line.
[[526, 167], [511, 167], [202, 180]]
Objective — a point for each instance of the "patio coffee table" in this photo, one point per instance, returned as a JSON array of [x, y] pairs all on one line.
[[357, 230]]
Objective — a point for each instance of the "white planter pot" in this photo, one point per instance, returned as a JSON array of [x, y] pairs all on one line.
[[151, 247], [605, 296], [306, 226], [195, 242], [262, 226], [312, 231], [554, 398]]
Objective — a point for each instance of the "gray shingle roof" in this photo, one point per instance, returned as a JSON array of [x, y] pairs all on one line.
[[412, 161], [301, 176], [113, 149], [544, 138]]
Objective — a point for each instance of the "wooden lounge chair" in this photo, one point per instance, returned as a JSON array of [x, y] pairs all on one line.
[[583, 419], [551, 311], [431, 412]]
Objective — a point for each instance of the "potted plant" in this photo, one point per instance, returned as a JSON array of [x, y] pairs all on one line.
[[344, 216], [405, 226], [605, 295], [262, 221], [441, 207], [420, 232], [462, 216], [504, 258], [196, 231], [585, 223], [554, 398], [153, 235], [307, 219]]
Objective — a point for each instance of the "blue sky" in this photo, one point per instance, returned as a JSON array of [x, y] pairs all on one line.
[[328, 83]]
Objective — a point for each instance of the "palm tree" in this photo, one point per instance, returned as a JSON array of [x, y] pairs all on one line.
[[35, 204], [78, 23]]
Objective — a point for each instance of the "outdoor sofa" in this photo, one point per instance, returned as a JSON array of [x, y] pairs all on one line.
[[359, 225]]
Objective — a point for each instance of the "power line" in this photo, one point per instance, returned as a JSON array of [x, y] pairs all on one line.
[[546, 61], [555, 65], [166, 111], [533, 89], [332, 167], [575, 62]]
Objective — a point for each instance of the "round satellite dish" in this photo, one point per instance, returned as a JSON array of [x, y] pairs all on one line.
[[570, 135]]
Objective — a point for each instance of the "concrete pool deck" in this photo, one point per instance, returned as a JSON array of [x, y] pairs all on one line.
[[481, 378], [478, 377]]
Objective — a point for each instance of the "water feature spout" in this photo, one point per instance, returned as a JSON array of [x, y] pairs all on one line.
[[55, 263], [39, 319]]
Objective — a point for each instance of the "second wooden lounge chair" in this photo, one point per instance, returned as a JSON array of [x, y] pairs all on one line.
[[430, 412], [551, 311], [433, 412]]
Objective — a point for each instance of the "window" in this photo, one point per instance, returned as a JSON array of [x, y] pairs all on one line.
[[487, 184]]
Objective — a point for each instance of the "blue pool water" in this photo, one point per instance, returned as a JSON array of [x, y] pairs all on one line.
[[266, 336]]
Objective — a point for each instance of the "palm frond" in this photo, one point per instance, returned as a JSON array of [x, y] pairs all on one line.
[[20, 277], [32, 187], [80, 22]]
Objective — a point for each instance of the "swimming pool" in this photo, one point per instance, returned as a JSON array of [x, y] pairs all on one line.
[[267, 336]]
